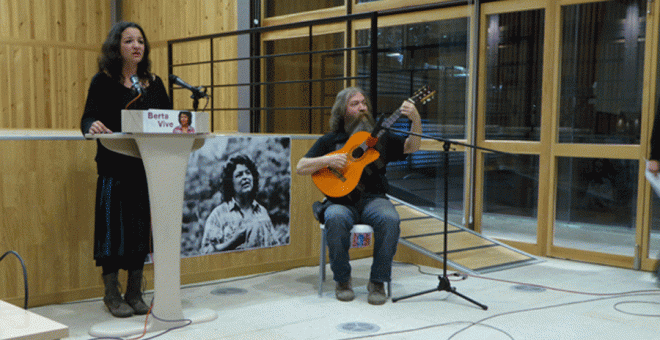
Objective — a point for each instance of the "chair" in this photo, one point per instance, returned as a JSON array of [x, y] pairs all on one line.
[[357, 229]]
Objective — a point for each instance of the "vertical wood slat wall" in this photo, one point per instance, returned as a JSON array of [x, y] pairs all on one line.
[[48, 55], [49, 49], [47, 190]]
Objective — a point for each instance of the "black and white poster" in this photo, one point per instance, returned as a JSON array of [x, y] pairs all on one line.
[[237, 195]]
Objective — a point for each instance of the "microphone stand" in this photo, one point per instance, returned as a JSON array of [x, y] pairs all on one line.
[[196, 95], [444, 284]]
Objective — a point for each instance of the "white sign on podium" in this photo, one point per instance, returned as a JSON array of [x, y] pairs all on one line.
[[164, 121]]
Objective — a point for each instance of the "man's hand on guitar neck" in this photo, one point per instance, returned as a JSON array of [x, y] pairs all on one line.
[[413, 143], [409, 109]]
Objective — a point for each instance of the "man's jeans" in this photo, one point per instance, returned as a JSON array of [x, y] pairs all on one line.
[[379, 213]]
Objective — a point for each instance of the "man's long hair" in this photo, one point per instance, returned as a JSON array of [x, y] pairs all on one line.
[[110, 60], [338, 111], [228, 191]]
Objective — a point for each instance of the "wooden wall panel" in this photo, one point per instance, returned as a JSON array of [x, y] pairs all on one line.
[[53, 86], [176, 19], [48, 52], [5, 107], [46, 216], [49, 49], [226, 73], [47, 191]]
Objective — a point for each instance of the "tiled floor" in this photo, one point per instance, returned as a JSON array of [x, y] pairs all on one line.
[[564, 300]]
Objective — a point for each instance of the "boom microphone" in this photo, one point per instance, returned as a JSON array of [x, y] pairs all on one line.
[[197, 91]]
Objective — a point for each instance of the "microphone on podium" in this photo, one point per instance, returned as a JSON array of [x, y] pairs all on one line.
[[198, 92], [136, 84]]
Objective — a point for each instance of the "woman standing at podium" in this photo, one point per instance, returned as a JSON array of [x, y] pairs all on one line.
[[122, 231]]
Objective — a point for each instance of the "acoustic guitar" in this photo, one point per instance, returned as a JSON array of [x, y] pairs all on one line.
[[360, 150]]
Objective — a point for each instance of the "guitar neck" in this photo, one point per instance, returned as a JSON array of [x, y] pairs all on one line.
[[390, 120]]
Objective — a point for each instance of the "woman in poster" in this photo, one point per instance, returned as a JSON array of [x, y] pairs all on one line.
[[239, 222], [185, 119]]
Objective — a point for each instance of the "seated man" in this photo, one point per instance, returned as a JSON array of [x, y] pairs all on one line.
[[368, 204]]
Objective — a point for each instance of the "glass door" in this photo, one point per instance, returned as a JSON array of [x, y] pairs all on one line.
[[513, 118], [562, 93], [600, 104]]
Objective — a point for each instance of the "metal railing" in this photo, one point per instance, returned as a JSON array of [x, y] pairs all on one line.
[[256, 58]]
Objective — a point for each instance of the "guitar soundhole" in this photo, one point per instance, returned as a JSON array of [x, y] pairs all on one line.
[[357, 153]]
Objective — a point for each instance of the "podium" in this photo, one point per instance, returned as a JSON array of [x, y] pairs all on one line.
[[165, 158]]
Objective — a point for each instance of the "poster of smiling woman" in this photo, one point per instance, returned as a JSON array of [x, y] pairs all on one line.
[[237, 195]]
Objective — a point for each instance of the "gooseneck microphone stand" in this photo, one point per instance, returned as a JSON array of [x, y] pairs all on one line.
[[444, 284], [196, 96]]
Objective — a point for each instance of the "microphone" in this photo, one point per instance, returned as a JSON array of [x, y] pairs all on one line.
[[136, 84], [198, 92]]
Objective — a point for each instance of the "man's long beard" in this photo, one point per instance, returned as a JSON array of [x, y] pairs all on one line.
[[364, 122]]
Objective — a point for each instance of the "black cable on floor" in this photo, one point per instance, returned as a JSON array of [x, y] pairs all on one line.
[[25, 279]]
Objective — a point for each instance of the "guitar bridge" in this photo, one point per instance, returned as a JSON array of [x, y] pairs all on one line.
[[338, 174]]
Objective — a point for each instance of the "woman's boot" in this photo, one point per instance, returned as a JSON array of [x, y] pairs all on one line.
[[133, 294], [112, 299]]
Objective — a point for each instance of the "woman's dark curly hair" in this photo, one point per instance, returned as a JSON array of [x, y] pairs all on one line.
[[110, 60], [228, 177]]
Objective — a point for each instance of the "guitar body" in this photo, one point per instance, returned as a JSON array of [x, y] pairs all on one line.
[[340, 182]]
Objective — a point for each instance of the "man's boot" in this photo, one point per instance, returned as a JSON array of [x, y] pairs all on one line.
[[133, 294], [376, 293], [112, 299], [344, 291]]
